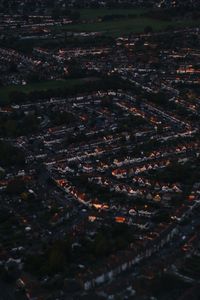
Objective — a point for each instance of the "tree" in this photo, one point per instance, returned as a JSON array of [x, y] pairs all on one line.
[[56, 13], [59, 255], [10, 155], [16, 186], [148, 29], [101, 245]]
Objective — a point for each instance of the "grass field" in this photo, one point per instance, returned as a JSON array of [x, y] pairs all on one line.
[[119, 27], [123, 26], [126, 26], [40, 86], [91, 14]]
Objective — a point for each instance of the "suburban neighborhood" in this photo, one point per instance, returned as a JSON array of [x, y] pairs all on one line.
[[99, 150]]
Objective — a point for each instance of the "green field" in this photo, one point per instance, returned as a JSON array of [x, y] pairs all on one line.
[[120, 27], [39, 86], [124, 26], [91, 14], [127, 26]]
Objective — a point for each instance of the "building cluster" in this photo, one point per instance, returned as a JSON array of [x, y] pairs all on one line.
[[22, 6]]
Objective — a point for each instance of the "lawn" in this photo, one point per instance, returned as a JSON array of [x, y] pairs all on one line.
[[39, 86]]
